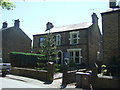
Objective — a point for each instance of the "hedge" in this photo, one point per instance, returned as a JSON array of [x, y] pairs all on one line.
[[31, 54], [20, 59]]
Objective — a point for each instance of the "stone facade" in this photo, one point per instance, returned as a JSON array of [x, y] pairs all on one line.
[[111, 34], [84, 44], [14, 40]]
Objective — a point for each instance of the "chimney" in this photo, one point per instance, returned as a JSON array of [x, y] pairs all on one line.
[[4, 25], [94, 18], [17, 23], [112, 3]]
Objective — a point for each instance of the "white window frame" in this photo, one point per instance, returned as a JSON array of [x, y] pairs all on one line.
[[74, 51], [72, 39], [58, 39]]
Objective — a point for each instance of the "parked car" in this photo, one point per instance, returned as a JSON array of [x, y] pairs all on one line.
[[5, 68]]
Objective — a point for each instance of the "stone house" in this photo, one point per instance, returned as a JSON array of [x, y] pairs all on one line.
[[77, 42], [111, 34], [14, 40]]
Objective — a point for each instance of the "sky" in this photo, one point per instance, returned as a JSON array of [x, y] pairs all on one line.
[[34, 14]]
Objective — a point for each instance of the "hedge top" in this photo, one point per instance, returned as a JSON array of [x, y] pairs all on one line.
[[31, 54]]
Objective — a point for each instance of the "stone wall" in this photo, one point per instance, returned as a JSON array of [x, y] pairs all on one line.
[[111, 34], [14, 40], [42, 75], [65, 43], [106, 82], [94, 44], [70, 77], [45, 75]]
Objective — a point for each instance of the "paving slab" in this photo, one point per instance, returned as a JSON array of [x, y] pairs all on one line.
[[55, 84]]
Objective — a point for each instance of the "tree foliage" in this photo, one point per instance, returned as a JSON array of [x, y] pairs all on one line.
[[48, 48], [6, 4]]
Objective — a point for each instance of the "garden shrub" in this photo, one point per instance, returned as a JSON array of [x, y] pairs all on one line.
[[57, 68], [104, 70]]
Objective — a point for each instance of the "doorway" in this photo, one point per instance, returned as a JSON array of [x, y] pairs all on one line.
[[60, 56]]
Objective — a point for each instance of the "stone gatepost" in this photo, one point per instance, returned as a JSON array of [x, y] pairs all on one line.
[[64, 76], [94, 70], [50, 71], [94, 74]]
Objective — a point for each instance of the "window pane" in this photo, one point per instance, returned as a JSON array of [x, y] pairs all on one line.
[[74, 36], [41, 41], [58, 40], [77, 53], [71, 58], [77, 60], [74, 41], [76, 56], [71, 53]]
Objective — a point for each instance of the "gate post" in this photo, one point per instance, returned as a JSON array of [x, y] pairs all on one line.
[[50, 71]]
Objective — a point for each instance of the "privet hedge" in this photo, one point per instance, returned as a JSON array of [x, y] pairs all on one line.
[[19, 59]]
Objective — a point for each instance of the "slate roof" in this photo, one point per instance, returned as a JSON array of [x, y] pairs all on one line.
[[69, 27], [5, 30], [111, 10]]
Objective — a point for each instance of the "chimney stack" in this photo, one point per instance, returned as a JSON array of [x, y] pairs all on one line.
[[4, 25], [94, 18], [112, 3], [17, 23]]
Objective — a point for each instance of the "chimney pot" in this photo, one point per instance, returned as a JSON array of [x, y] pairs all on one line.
[[17, 23], [4, 25], [112, 3], [94, 18]]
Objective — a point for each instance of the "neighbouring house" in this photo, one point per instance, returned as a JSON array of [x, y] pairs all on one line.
[[111, 35], [78, 42], [14, 40]]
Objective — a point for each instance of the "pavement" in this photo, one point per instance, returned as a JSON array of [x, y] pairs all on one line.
[[55, 84]]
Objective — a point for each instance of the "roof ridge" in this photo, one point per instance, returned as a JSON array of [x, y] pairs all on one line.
[[6, 28], [64, 28], [72, 24]]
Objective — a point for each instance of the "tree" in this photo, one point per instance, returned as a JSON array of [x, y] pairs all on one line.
[[48, 48], [6, 4]]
